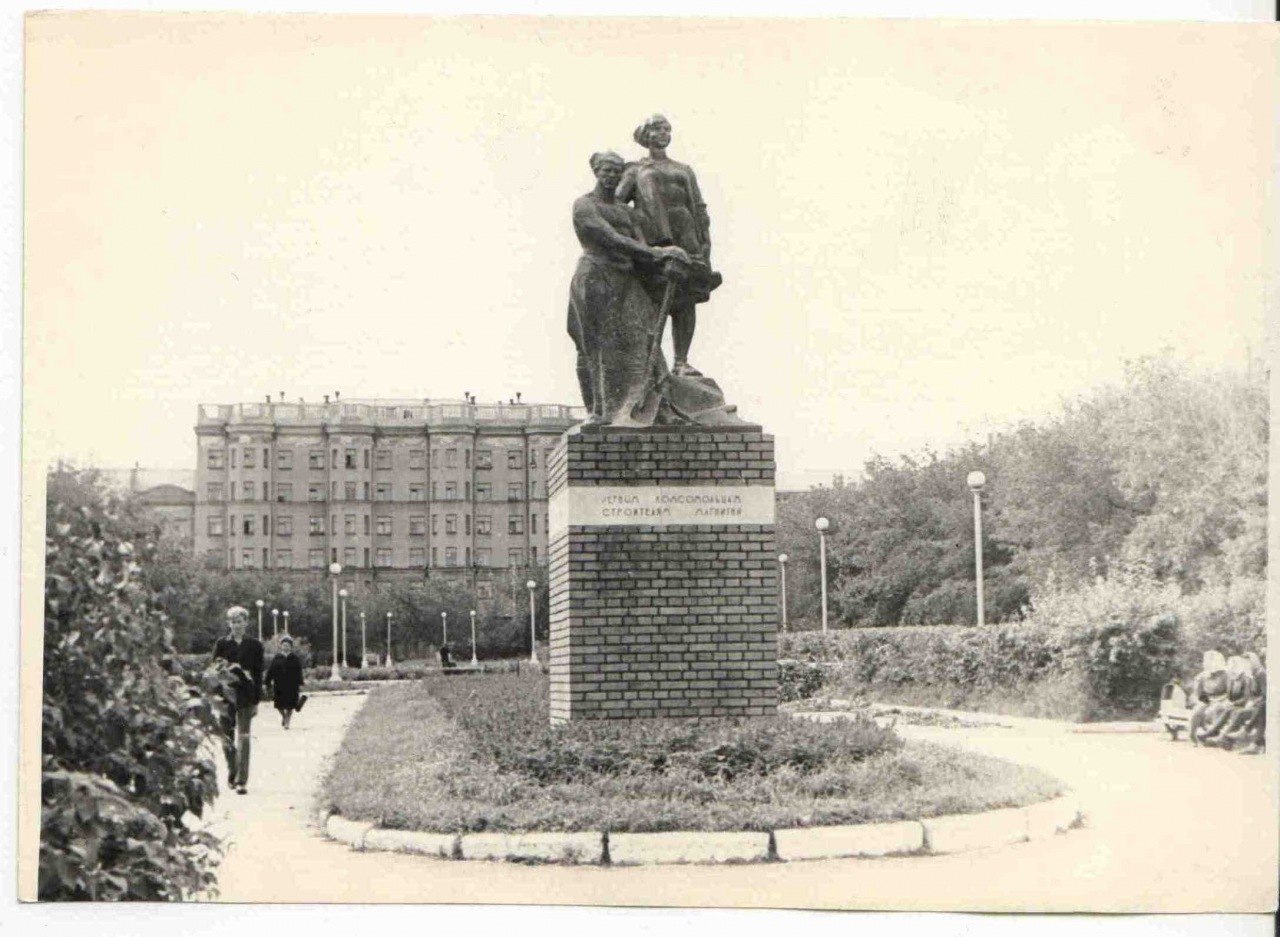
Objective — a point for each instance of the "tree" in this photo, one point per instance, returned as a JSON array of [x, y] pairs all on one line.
[[124, 756]]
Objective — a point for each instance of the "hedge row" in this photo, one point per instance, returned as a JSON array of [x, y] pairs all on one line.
[[1115, 668]]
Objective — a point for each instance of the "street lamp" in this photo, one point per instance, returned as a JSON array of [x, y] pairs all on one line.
[[259, 603], [822, 524], [275, 623], [388, 664], [975, 481], [533, 637], [285, 613], [782, 563], [474, 660], [342, 594], [364, 648], [334, 571], [444, 623]]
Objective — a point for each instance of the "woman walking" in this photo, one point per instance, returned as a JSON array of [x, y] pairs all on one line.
[[284, 677]]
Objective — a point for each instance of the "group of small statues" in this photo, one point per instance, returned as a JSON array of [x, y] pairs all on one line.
[[646, 258], [1228, 703]]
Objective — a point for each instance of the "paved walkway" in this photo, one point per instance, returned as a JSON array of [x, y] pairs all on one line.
[[1169, 827]]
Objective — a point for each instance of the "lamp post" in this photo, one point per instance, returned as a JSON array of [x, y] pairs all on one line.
[[364, 647], [285, 613], [782, 564], [275, 623], [342, 594], [975, 481], [334, 570], [388, 639], [533, 636], [259, 603], [822, 524], [444, 624], [474, 660]]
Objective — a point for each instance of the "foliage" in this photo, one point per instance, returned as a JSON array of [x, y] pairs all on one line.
[[125, 756], [461, 756], [1168, 468], [799, 680]]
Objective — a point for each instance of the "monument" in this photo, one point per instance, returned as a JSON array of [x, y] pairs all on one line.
[[661, 515]]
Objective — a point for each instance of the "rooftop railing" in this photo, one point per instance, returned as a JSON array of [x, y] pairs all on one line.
[[388, 413]]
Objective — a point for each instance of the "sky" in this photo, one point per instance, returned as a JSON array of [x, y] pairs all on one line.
[[927, 230]]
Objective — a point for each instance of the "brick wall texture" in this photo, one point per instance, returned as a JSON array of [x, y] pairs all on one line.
[[663, 621]]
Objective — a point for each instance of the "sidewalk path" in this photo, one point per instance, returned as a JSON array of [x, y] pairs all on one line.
[[1169, 827]]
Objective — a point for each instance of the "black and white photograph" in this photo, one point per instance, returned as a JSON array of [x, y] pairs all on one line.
[[647, 462]]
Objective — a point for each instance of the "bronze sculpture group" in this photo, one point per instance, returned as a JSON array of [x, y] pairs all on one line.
[[646, 259]]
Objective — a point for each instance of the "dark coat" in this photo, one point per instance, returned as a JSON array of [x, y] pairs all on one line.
[[247, 657], [285, 677]]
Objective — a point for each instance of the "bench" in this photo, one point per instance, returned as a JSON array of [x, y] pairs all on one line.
[[1174, 711]]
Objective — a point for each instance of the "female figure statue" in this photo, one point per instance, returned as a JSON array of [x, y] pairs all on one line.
[[615, 324], [671, 211]]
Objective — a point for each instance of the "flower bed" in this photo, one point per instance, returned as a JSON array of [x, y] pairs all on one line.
[[470, 756]]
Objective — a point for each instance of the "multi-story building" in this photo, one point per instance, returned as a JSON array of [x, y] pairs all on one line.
[[167, 492], [387, 488]]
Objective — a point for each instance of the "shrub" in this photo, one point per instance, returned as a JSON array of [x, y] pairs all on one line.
[[124, 758], [798, 680]]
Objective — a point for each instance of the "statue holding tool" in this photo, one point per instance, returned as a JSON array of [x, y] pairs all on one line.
[[641, 266]]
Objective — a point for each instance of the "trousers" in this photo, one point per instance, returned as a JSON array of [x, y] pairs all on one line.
[[236, 743]]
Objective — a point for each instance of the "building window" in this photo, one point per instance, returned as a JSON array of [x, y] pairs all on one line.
[[246, 558], [435, 528], [248, 491], [533, 523], [315, 559], [284, 462], [248, 524], [483, 557], [466, 488], [417, 492], [383, 459], [484, 590], [533, 458], [451, 523], [349, 524], [233, 463], [451, 491], [515, 524], [348, 556], [315, 492], [248, 457], [384, 491], [366, 529], [484, 524], [333, 555], [534, 551], [366, 491], [333, 463], [266, 461], [468, 556], [233, 525], [266, 558], [366, 557], [213, 491], [533, 490], [214, 458], [484, 458], [451, 458], [466, 461], [467, 520], [349, 491], [434, 561], [333, 491], [317, 525], [417, 459], [384, 525], [513, 459], [284, 526], [284, 559], [484, 491], [515, 557], [384, 556], [450, 556], [233, 490], [366, 457], [417, 557], [284, 491], [350, 460], [514, 491], [417, 526], [266, 524], [215, 525], [315, 459]]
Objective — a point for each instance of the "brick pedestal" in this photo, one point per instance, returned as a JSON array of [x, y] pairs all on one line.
[[664, 580]]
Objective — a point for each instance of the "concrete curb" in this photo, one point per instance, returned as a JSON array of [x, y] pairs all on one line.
[[933, 836]]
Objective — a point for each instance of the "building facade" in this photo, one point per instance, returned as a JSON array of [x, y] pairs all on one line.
[[168, 493], [387, 488]]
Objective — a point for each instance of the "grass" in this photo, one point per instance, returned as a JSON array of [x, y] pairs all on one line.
[[468, 756]]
